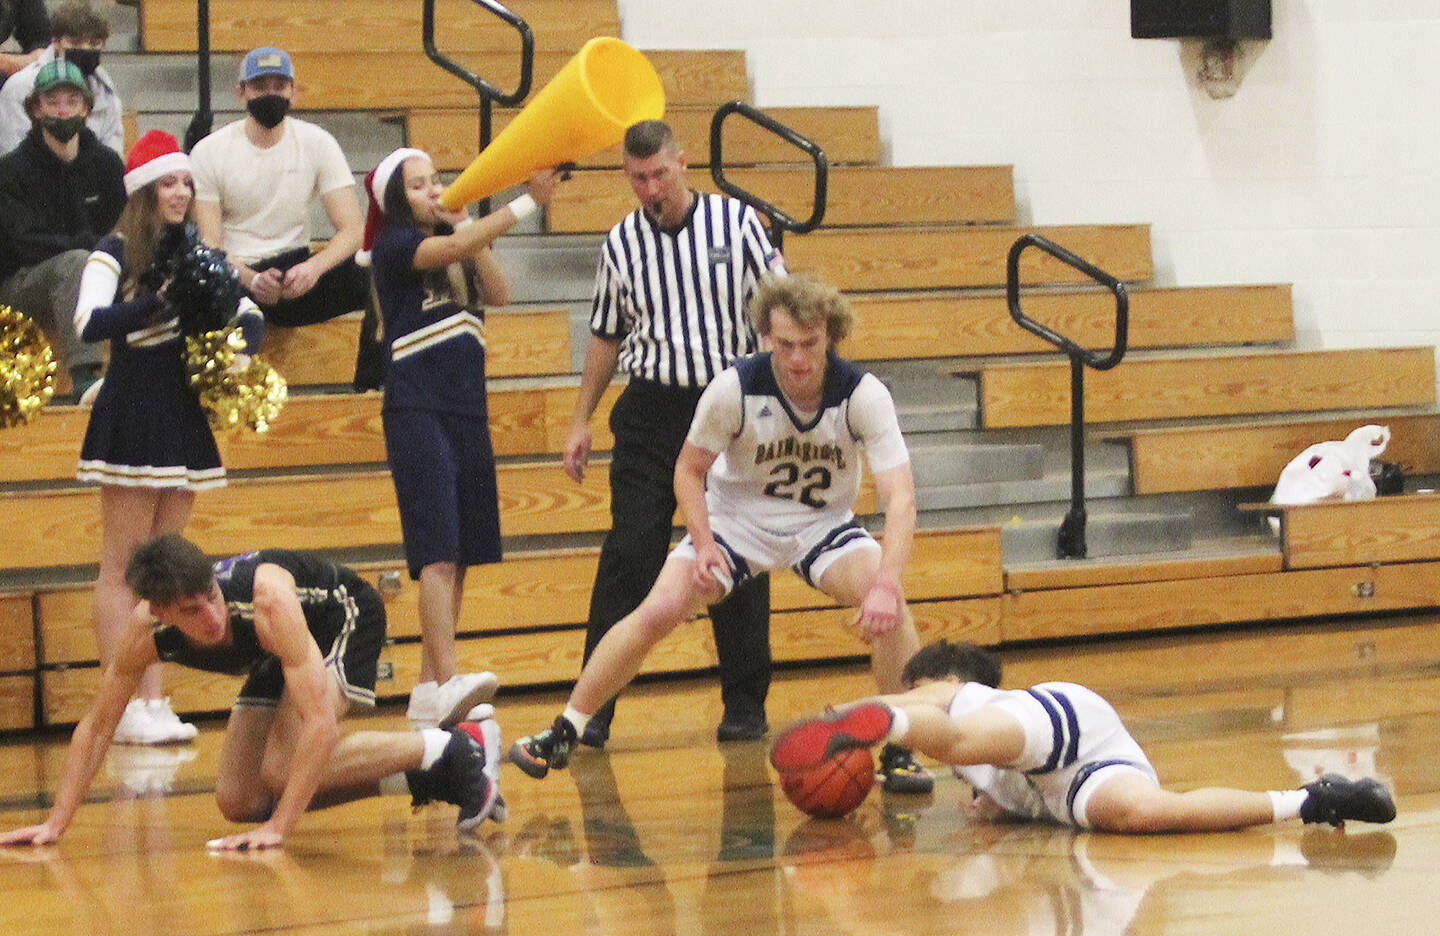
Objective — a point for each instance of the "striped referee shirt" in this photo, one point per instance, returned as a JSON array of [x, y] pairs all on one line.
[[676, 300]]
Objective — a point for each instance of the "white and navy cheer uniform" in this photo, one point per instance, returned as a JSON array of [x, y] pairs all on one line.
[[345, 614], [782, 490], [435, 414], [1074, 741], [147, 428]]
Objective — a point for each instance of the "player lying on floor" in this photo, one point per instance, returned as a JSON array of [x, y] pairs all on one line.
[[307, 633], [1055, 752]]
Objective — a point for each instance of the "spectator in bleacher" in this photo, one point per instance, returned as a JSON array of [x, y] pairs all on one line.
[[669, 310], [78, 34], [148, 444], [61, 189], [28, 23], [255, 181], [434, 274]]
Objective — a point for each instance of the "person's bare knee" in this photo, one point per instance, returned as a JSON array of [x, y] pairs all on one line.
[[1133, 804], [244, 802]]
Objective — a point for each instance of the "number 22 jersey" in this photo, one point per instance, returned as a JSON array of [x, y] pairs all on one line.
[[784, 470]]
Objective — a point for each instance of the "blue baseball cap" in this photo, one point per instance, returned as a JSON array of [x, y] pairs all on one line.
[[266, 60]]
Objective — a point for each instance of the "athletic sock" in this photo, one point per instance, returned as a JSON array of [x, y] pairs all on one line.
[[899, 725], [1287, 803], [577, 719], [435, 741]]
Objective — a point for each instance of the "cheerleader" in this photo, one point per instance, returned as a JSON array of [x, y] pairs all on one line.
[[434, 272], [148, 444]]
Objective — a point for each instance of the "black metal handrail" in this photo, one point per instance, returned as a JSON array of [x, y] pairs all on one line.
[[780, 222], [1072, 529], [204, 119], [489, 94]]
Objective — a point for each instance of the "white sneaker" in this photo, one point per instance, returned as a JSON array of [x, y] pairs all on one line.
[[421, 710], [460, 694], [152, 721]]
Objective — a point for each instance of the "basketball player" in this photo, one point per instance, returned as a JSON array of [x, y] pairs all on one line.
[[1056, 752], [307, 633], [767, 479]]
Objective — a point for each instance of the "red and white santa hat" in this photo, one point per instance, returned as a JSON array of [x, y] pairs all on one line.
[[376, 181], [154, 156]]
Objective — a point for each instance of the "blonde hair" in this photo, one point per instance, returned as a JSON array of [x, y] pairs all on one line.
[[808, 301]]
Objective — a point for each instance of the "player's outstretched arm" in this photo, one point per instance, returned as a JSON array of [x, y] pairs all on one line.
[[93, 734], [281, 628], [882, 608]]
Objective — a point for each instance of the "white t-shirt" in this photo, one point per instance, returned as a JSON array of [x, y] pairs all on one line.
[[265, 194]]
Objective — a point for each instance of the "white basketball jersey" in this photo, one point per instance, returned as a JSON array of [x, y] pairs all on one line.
[[780, 470]]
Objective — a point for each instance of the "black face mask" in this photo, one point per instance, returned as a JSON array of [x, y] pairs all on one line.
[[63, 128], [268, 110], [87, 60]]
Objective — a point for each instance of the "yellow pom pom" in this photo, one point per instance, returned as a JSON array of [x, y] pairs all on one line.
[[233, 395], [27, 368]]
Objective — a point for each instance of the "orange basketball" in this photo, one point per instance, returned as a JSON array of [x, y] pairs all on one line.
[[833, 787]]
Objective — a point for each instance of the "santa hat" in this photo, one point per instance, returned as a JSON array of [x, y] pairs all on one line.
[[376, 181], [154, 156]]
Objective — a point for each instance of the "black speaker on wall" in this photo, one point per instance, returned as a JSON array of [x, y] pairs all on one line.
[[1200, 19]]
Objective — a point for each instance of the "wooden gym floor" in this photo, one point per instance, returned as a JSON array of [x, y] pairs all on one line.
[[669, 833]]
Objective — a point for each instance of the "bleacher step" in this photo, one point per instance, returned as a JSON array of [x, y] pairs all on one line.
[[1120, 534], [938, 463]]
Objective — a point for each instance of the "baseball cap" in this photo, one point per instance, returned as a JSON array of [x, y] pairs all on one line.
[[266, 60], [59, 72]]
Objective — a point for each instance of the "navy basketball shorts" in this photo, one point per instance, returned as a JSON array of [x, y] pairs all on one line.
[[443, 467]]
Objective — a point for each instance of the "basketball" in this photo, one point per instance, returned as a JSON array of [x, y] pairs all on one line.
[[832, 788]]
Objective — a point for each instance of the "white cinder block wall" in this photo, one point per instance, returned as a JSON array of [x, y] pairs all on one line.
[[1323, 170]]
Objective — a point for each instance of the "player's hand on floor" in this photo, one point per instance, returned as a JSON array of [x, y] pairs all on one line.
[[247, 841], [41, 834]]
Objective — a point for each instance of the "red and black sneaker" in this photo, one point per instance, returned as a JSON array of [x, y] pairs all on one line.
[[807, 743]]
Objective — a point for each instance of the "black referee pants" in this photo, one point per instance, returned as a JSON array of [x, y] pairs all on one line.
[[650, 422]]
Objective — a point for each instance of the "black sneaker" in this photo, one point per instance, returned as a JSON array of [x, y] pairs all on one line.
[[595, 735], [458, 778], [901, 773], [742, 728], [547, 749], [1334, 799]]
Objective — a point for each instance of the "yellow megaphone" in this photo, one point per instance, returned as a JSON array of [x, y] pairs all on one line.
[[586, 107]]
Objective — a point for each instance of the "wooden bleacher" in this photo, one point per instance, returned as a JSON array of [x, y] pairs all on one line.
[[858, 196], [1210, 385], [947, 256], [923, 252], [850, 135], [1252, 454]]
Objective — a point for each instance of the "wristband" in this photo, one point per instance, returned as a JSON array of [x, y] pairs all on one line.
[[523, 207]]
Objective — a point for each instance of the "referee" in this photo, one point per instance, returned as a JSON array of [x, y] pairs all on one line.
[[669, 310]]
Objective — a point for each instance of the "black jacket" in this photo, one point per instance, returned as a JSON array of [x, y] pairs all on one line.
[[48, 206]]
